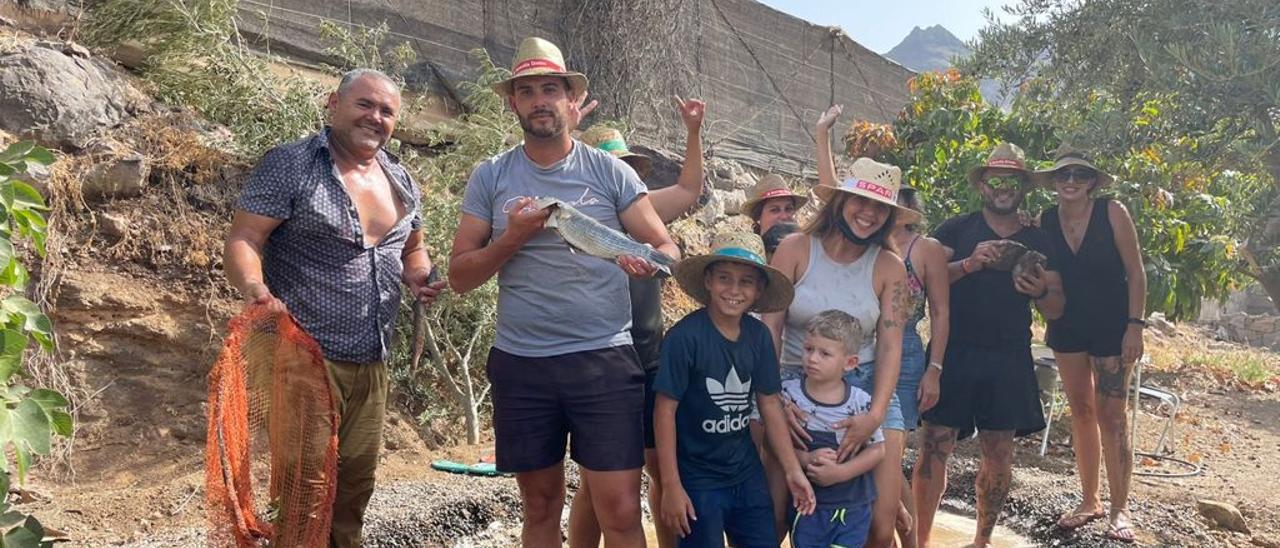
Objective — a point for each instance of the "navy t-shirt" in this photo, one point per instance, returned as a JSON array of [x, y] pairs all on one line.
[[986, 310], [714, 379]]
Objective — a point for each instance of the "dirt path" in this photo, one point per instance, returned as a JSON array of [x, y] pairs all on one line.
[[152, 494]]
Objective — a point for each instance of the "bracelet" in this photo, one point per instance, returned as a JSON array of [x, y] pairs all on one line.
[[1042, 294], [964, 265], [1138, 321], [936, 365]]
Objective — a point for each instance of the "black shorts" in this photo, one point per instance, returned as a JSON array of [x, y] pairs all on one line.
[[987, 389], [650, 440], [1100, 339], [594, 398]]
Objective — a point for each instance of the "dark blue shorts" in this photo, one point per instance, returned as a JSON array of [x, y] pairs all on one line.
[[744, 512], [594, 400], [831, 528]]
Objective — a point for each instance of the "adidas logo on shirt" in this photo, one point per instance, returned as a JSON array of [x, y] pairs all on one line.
[[731, 396]]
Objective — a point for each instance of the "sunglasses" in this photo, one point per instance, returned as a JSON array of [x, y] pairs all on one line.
[[1082, 174], [1004, 182]]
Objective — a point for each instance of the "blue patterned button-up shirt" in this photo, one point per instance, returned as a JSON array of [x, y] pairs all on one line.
[[346, 294]]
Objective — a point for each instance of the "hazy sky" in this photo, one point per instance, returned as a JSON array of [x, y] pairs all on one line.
[[881, 24]]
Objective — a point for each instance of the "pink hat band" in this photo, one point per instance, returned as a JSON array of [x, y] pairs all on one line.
[[531, 64], [1004, 162]]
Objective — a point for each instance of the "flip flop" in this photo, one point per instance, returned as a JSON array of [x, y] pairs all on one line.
[[1071, 522], [1113, 533]]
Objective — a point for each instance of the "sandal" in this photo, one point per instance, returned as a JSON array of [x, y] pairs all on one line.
[[1123, 533], [1073, 521]]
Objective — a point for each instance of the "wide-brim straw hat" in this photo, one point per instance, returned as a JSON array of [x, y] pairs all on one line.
[[539, 57], [1067, 156], [1005, 156], [610, 140], [738, 247], [770, 186], [875, 181]]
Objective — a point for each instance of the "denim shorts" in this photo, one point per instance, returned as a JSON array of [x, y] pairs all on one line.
[[864, 377], [913, 368], [743, 512]]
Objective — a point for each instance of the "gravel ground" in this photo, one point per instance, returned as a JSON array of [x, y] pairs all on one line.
[[464, 511]]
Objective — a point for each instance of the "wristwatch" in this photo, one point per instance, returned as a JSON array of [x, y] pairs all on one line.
[[1138, 321]]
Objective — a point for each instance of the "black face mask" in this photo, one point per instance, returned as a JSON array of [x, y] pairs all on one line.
[[847, 231]]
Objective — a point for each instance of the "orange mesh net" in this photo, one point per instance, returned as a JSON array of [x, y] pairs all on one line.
[[271, 454]]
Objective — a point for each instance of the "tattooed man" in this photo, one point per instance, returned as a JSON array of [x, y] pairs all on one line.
[[989, 382]]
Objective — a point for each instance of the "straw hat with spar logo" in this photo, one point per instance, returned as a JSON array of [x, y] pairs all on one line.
[[610, 140], [1066, 157], [874, 181], [770, 186], [737, 247], [538, 57], [1005, 156]]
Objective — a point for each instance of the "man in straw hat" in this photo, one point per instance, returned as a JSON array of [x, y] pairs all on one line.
[[562, 364], [326, 229], [646, 307], [718, 363], [989, 382]]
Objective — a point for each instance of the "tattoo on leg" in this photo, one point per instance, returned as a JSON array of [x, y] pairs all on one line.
[[994, 478], [936, 444], [1111, 376]]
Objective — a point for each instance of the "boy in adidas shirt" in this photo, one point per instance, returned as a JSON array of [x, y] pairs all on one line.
[[717, 363], [844, 490]]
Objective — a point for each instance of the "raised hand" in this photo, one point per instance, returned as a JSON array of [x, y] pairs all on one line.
[[692, 112], [578, 111], [829, 117]]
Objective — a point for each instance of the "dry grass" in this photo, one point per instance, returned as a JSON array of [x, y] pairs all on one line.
[[1191, 350]]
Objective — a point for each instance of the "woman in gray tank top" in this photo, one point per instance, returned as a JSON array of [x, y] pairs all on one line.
[[839, 262]]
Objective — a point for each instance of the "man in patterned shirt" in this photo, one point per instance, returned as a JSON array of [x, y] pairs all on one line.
[[327, 228]]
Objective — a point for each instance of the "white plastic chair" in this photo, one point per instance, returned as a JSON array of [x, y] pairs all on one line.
[[1047, 373]]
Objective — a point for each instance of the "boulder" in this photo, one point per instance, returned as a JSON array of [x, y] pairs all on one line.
[[113, 226], [1222, 516], [119, 177], [1157, 321], [60, 100]]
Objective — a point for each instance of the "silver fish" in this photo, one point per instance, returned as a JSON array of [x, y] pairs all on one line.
[[594, 238]]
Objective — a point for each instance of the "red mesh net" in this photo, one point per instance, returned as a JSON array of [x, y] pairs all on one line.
[[271, 455]]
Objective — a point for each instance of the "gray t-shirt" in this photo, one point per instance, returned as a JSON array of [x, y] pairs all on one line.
[[552, 300]]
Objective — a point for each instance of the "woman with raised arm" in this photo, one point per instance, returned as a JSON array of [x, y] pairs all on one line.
[[838, 263], [926, 263]]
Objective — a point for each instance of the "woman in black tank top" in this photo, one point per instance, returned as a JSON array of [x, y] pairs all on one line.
[[1099, 336]]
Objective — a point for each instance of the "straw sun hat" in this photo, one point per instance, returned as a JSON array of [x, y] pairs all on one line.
[[610, 140], [538, 57], [1005, 156], [738, 247], [1065, 157], [770, 186], [874, 181]]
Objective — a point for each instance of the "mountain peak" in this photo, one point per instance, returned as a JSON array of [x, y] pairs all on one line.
[[928, 48]]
